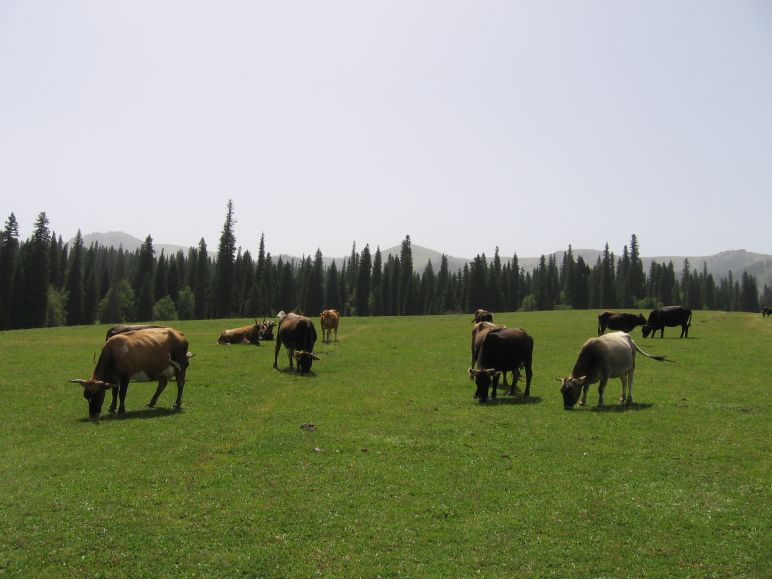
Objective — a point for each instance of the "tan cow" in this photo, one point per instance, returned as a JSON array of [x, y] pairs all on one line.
[[142, 355], [329, 322]]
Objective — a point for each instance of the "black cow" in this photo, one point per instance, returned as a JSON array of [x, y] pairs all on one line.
[[501, 349], [620, 322], [298, 335], [765, 311], [670, 316], [482, 316]]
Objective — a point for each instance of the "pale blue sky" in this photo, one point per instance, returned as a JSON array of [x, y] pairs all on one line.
[[468, 125]]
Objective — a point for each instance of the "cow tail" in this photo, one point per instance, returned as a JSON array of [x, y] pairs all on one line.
[[657, 358]]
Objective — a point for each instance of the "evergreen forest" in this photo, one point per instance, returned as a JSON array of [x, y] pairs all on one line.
[[46, 282]]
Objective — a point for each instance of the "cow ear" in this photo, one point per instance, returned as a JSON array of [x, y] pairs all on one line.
[[581, 380], [496, 374], [296, 355], [471, 374], [314, 356]]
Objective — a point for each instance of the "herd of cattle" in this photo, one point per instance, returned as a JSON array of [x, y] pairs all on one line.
[[153, 352]]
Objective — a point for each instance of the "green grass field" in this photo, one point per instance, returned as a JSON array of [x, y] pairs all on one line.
[[405, 473]]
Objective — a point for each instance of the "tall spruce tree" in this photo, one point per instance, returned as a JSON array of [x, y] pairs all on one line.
[[74, 284], [224, 276], [376, 285], [362, 292], [36, 264], [201, 282], [407, 290], [9, 255]]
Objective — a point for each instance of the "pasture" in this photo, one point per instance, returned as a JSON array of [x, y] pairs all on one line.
[[402, 472]]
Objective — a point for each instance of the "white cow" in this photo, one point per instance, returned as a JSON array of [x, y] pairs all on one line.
[[607, 356]]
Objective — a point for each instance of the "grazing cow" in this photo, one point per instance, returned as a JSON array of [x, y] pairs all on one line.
[[140, 355], [607, 356], [329, 320], [123, 328], [668, 316], [243, 335], [482, 316], [498, 349], [621, 322], [298, 335], [765, 311]]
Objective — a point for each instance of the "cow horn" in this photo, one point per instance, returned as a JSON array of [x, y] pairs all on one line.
[[78, 381]]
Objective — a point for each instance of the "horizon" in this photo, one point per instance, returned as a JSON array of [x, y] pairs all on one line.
[[472, 125]]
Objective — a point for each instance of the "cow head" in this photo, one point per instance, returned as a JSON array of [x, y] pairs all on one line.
[[646, 329], [304, 360], [94, 393], [483, 380], [571, 388], [223, 339]]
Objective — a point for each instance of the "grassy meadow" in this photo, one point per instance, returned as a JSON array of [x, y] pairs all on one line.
[[404, 474]]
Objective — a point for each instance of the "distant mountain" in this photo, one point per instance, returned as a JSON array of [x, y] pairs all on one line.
[[737, 261], [118, 239]]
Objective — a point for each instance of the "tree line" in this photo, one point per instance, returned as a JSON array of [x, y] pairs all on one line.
[[46, 282]]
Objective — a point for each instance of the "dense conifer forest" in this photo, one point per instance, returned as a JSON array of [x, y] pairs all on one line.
[[46, 282]]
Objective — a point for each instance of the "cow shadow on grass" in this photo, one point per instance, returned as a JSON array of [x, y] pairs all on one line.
[[294, 372], [142, 414], [635, 406], [516, 400]]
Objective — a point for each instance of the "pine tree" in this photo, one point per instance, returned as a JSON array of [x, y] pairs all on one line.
[[144, 278], [376, 285], [332, 297], [362, 292], [224, 277], [315, 295], [74, 284], [406, 289], [9, 255], [636, 279], [201, 282], [90, 287], [36, 263]]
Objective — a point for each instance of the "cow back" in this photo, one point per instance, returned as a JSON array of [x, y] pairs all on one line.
[[504, 348], [297, 333], [147, 351]]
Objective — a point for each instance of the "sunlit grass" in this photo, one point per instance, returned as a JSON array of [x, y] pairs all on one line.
[[404, 472]]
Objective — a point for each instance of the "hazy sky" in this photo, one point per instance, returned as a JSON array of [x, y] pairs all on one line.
[[467, 125]]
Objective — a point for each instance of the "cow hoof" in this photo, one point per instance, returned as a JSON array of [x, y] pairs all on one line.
[[149, 405]]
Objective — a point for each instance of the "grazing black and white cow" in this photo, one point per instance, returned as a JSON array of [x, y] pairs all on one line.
[[482, 316], [141, 355], [619, 322], [298, 335], [498, 349], [669, 316], [607, 356]]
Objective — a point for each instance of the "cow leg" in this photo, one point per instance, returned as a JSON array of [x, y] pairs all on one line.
[[630, 380], [624, 381], [585, 388], [495, 385], [276, 352], [180, 377], [336, 334], [114, 402], [122, 395], [601, 389], [515, 378], [528, 376], [161, 385]]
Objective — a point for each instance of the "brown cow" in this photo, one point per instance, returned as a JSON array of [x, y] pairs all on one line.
[[329, 320], [123, 328], [140, 355], [482, 316], [500, 349], [298, 335], [244, 335]]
